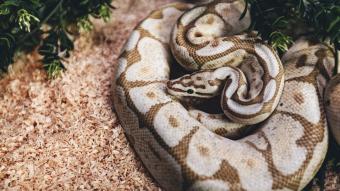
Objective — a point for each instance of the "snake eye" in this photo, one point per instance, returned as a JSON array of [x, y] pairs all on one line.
[[190, 91]]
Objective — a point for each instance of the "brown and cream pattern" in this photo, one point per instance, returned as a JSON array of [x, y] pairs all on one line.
[[332, 104], [183, 147]]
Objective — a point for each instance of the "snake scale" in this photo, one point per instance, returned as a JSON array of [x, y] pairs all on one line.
[[186, 148]]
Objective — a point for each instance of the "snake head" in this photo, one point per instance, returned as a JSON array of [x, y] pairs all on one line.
[[196, 85]]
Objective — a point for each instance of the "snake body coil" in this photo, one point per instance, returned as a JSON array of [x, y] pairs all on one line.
[[183, 148]]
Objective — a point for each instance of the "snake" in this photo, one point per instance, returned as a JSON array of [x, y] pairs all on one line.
[[332, 105], [269, 129]]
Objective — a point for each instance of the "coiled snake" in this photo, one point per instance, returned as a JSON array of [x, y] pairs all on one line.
[[186, 148]]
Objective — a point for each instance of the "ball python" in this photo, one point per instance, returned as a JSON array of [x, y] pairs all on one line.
[[332, 104], [181, 146]]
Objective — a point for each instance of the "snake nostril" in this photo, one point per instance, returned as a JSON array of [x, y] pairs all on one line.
[[198, 34]]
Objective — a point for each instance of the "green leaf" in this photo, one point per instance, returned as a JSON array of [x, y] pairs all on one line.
[[333, 23], [4, 11], [104, 12], [280, 41], [25, 20], [85, 24], [54, 68]]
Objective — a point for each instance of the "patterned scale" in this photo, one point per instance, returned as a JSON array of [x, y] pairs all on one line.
[[181, 147]]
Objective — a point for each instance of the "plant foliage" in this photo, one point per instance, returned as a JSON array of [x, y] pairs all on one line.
[[280, 21], [49, 24]]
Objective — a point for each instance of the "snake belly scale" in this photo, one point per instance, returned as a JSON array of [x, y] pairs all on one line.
[[175, 143]]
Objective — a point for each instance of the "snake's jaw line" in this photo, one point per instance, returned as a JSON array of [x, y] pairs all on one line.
[[186, 148]]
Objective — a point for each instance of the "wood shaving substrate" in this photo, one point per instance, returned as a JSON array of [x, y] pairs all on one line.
[[62, 134]]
